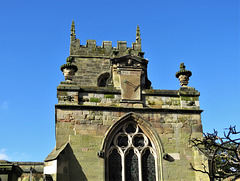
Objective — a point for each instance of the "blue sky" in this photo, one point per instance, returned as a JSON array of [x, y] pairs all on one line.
[[34, 43]]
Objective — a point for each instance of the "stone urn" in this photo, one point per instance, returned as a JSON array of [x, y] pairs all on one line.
[[69, 69], [183, 75]]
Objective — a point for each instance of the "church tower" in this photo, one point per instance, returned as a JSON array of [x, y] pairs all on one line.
[[112, 125]]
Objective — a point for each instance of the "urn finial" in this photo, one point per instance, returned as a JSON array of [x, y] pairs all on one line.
[[69, 69], [183, 75]]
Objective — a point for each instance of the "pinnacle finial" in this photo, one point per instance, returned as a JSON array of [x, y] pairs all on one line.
[[182, 66], [73, 28], [138, 38], [138, 31]]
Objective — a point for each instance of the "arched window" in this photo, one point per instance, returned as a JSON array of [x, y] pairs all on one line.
[[102, 79], [130, 155]]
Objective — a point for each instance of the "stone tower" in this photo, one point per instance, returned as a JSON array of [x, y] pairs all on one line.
[[111, 125]]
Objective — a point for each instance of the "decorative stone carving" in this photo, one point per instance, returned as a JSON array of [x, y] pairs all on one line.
[[130, 81], [69, 69], [183, 75], [128, 66], [68, 98]]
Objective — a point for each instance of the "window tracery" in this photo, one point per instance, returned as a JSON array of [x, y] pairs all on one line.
[[131, 155]]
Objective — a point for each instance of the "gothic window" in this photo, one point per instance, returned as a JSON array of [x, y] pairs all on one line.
[[131, 156]]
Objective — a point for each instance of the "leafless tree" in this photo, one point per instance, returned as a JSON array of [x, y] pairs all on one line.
[[223, 154]]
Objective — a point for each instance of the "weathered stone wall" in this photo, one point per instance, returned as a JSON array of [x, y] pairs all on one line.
[[85, 130], [84, 121], [96, 96], [90, 69], [93, 60], [106, 50]]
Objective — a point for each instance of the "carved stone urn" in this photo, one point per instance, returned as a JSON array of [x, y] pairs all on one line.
[[69, 69], [183, 75]]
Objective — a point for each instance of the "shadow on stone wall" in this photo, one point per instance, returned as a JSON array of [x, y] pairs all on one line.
[[69, 168], [75, 169]]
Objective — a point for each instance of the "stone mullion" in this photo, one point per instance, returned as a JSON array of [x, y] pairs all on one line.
[[123, 165], [140, 165]]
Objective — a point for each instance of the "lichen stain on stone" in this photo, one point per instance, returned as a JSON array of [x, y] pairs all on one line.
[[94, 99]]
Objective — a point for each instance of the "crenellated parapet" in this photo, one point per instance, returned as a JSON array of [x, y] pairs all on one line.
[[106, 50]]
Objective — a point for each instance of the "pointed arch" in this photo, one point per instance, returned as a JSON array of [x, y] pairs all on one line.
[[132, 132]]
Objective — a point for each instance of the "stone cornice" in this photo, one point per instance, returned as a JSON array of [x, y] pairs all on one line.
[[148, 92], [92, 56], [128, 109]]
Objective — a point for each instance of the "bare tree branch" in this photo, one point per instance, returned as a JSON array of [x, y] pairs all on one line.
[[223, 153]]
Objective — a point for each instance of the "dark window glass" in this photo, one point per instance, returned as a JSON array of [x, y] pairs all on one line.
[[138, 141], [148, 166], [115, 166], [131, 128], [122, 140], [130, 146], [131, 167]]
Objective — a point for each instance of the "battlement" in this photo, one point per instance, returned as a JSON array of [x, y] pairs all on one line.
[[92, 64], [106, 50]]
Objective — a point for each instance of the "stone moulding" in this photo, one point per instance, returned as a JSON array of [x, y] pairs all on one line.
[[91, 56], [127, 109], [148, 92]]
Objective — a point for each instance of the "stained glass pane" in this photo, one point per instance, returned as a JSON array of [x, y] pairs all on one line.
[[148, 166], [122, 140], [138, 141], [131, 167], [115, 166], [131, 128]]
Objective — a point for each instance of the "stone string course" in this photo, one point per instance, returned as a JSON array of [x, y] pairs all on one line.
[[114, 100]]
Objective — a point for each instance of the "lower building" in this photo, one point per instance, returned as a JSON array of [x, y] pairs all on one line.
[[21, 171]]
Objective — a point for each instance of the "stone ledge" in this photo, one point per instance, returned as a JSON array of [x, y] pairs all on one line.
[[187, 92], [91, 56], [127, 109], [158, 92], [28, 163], [148, 92], [88, 89], [172, 93]]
